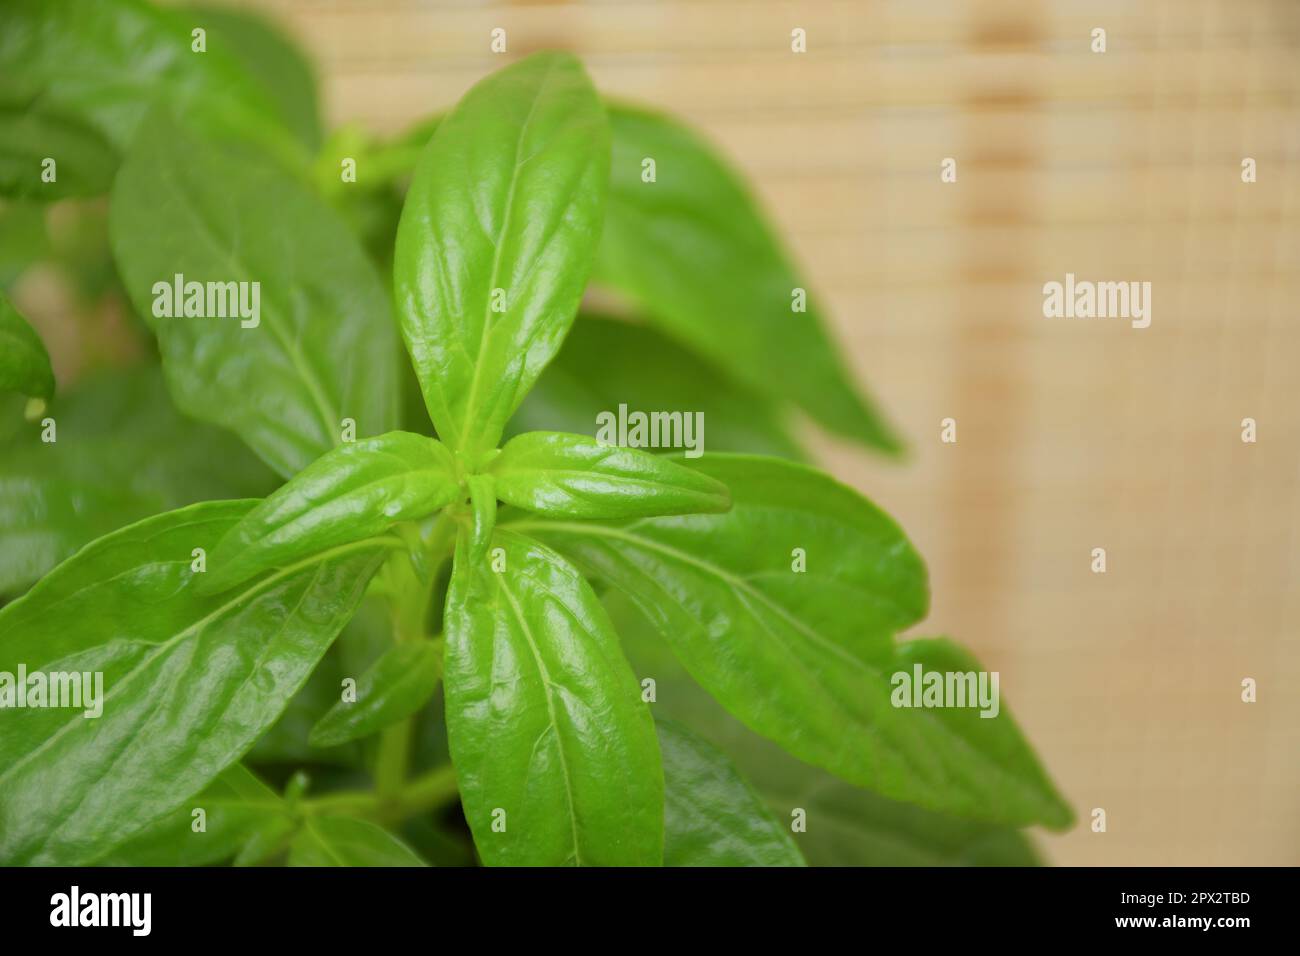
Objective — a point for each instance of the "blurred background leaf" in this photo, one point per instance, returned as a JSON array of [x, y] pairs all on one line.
[[607, 362], [122, 453]]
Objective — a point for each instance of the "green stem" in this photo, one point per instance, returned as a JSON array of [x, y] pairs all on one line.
[[427, 792]]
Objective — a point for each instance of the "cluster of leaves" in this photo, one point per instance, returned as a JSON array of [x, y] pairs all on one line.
[[518, 568]]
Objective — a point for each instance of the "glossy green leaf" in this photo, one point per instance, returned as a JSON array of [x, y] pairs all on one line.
[[777, 649], [272, 59], [606, 363], [712, 815], [844, 825], [346, 841], [694, 252], [396, 686], [574, 476], [109, 61], [356, 491], [548, 732], [122, 453], [367, 636], [188, 682], [496, 241], [322, 347], [24, 363], [31, 132], [235, 806]]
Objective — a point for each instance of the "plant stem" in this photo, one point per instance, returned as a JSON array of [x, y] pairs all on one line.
[[430, 790]]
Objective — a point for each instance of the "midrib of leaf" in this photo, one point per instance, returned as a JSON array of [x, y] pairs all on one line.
[[550, 710], [499, 244], [232, 604], [208, 232]]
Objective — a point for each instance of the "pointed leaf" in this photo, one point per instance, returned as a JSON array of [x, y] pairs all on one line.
[[578, 477], [396, 686], [356, 491], [548, 733], [694, 252], [188, 683], [845, 825], [776, 648], [496, 241]]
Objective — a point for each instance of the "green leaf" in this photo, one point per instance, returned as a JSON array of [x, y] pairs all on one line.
[[346, 841], [236, 806], [109, 62], [578, 477], [273, 60], [396, 686], [323, 347], [188, 683], [24, 363], [356, 491], [548, 733], [713, 817], [1009, 760], [32, 132], [606, 363], [694, 252], [846, 826], [496, 241], [106, 470], [363, 641], [777, 649]]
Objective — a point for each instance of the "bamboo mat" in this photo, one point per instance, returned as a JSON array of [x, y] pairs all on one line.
[[1071, 435]]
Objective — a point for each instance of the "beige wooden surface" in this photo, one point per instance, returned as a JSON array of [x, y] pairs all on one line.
[[1116, 166]]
